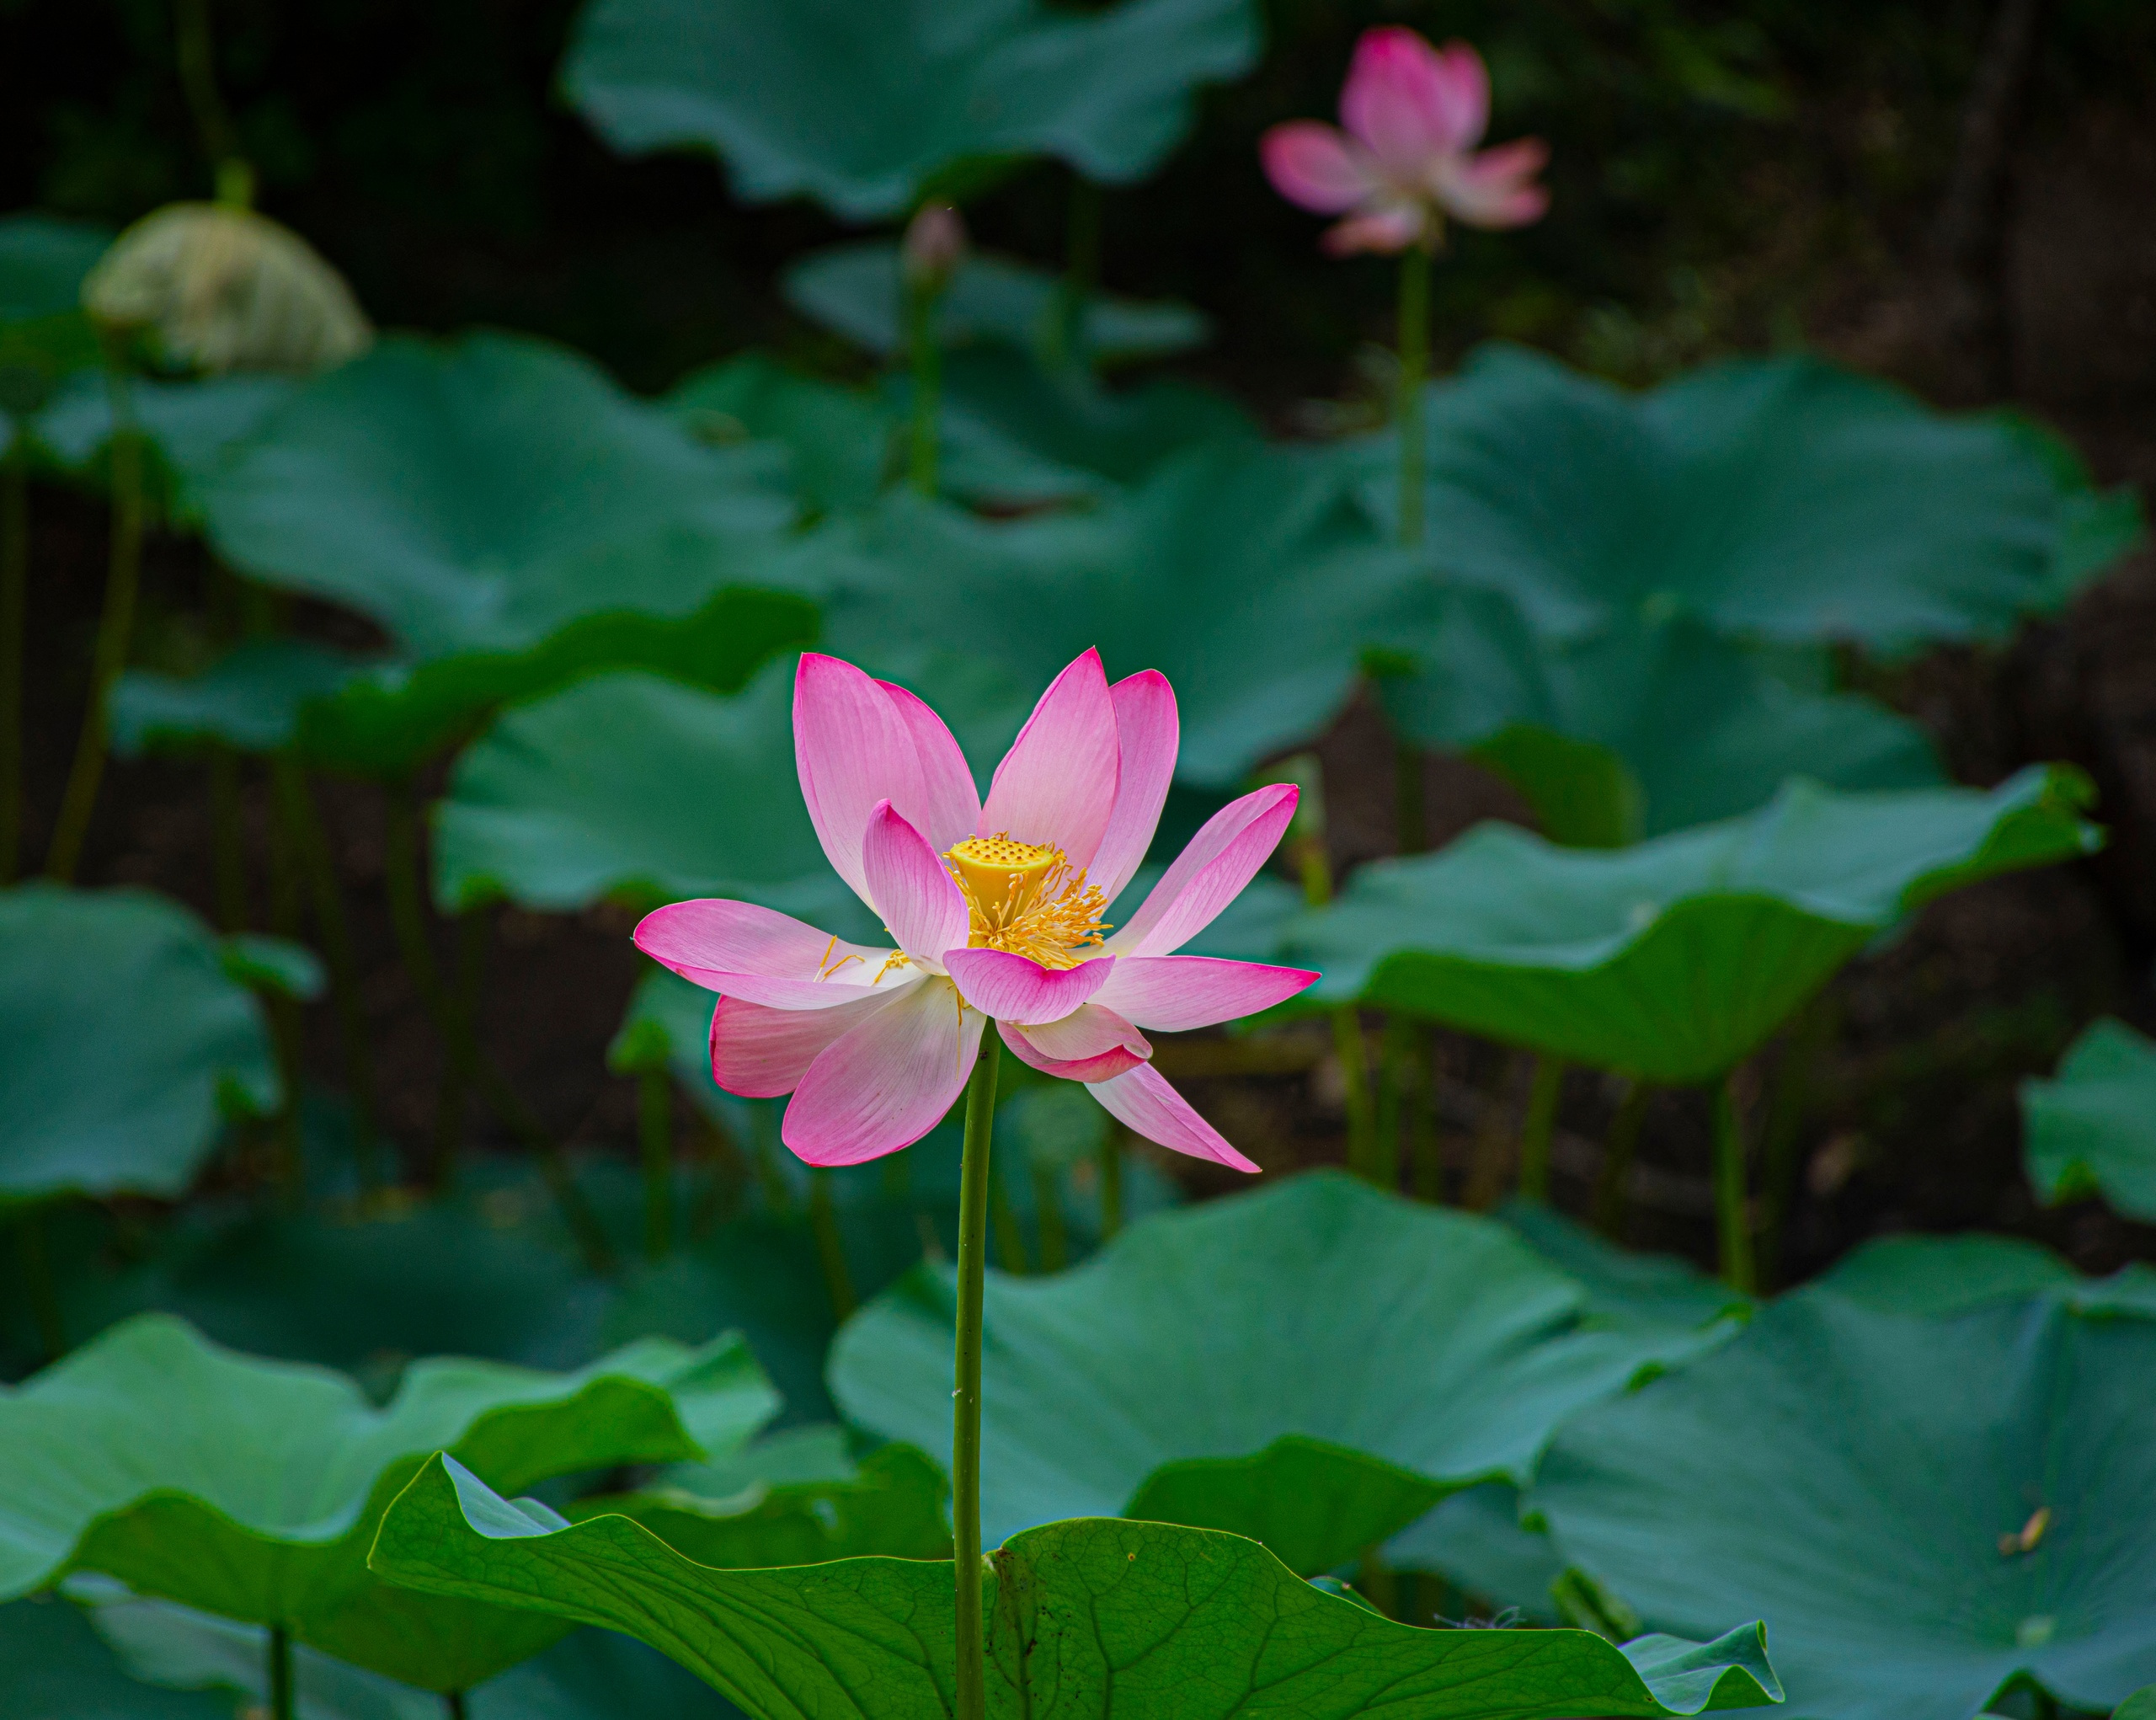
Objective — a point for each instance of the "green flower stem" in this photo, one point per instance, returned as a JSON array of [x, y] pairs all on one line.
[[925, 368], [965, 1401], [655, 1144], [14, 598], [1779, 1136], [284, 1025], [280, 1673], [1537, 1127], [1494, 1137], [453, 1702], [1111, 1181], [1355, 1079], [1410, 826], [830, 1245], [1047, 1212], [1395, 1074], [1732, 1218], [1414, 370], [115, 627], [1619, 1148]]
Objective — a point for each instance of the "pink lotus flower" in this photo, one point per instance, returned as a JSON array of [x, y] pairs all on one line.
[[1413, 113], [996, 912]]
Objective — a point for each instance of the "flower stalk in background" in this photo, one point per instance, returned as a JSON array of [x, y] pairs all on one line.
[[1406, 160], [934, 246], [997, 912]]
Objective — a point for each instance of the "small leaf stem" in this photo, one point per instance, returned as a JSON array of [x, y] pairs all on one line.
[[925, 370], [1732, 1218], [656, 1146], [965, 1401], [14, 598], [1539, 1124], [453, 1702], [1414, 369], [830, 1245], [1619, 1147], [1354, 1057], [280, 1673]]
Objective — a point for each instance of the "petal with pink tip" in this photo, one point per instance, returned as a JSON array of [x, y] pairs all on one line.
[[920, 900], [760, 1052], [951, 803], [1394, 101], [887, 1081], [1386, 232], [1017, 988], [1142, 1099], [760, 954], [1090, 1044], [1209, 874], [1461, 90], [853, 747], [1495, 188], [1147, 735], [1172, 994], [1056, 786], [1311, 164]]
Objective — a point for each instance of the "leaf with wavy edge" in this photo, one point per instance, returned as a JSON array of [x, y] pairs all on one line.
[[2091, 1129]]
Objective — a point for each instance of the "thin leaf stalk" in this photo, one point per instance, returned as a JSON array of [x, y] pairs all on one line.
[[461, 1048], [1733, 1215], [1538, 1125], [227, 840], [1621, 1147], [965, 1400], [14, 600], [830, 1245], [1781, 1132], [280, 1673], [1395, 1056], [1414, 370]]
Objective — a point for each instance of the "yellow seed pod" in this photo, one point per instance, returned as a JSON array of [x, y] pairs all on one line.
[[225, 288]]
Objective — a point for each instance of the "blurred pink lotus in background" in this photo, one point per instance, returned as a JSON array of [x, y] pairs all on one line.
[[996, 912], [1408, 159]]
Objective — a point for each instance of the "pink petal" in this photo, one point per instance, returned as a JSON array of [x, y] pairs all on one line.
[[920, 902], [1146, 737], [952, 805], [1142, 1099], [1386, 230], [1398, 101], [853, 747], [1312, 164], [1209, 874], [755, 954], [1016, 988], [1090, 1044], [1495, 187], [1056, 786], [760, 1052], [1172, 994], [1462, 90], [887, 1081]]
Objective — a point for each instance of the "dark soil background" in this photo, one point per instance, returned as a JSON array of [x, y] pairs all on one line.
[[1953, 193]]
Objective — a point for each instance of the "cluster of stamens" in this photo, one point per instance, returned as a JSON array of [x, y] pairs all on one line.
[[1027, 899]]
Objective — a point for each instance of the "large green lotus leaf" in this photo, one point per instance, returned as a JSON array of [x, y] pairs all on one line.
[[1214, 1332], [124, 1044], [1243, 572], [854, 289], [1107, 1621], [1476, 1540], [43, 332], [252, 699], [2091, 1129], [1623, 1284], [840, 439], [864, 106], [2140, 1706], [194, 430], [1952, 1274], [1927, 1510], [1704, 727], [55, 1666], [580, 795], [1674, 960], [253, 1488], [1780, 497]]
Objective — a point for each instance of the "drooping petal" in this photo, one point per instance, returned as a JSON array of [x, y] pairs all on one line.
[[1056, 786], [1147, 735], [1495, 188], [1386, 231], [1010, 987], [887, 1081], [1142, 1099], [853, 747], [1090, 1044], [1312, 164], [1461, 89], [920, 900], [1208, 874], [1396, 102], [1172, 994], [761, 955], [952, 804], [760, 1052]]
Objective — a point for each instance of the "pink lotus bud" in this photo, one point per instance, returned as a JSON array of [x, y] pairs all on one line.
[[934, 247]]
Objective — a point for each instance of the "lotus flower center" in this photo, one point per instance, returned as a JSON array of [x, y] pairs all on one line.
[[1024, 898]]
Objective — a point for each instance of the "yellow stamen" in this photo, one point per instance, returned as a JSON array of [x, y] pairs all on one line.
[[1025, 898]]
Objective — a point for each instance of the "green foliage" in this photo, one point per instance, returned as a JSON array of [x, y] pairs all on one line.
[[125, 1043], [58, 1668], [839, 439], [1928, 1510], [253, 1489], [255, 698], [919, 97], [1674, 960], [43, 332], [1093, 1619], [2092, 1129], [193, 429]]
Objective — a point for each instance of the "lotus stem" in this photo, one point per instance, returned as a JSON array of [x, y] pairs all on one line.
[[925, 368], [1376, 1581], [1537, 1127], [228, 842], [655, 1144], [831, 1244], [310, 850], [1395, 1054], [1414, 369], [15, 598], [1111, 1181], [1355, 1080], [1485, 1175], [1010, 1234], [965, 1400], [1081, 272], [1619, 1150], [1429, 1171], [1048, 1208], [1733, 1219], [453, 1702], [115, 627], [37, 1280], [1808, 1042], [280, 1673]]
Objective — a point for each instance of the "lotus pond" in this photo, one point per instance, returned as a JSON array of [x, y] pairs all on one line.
[[1072, 1228]]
